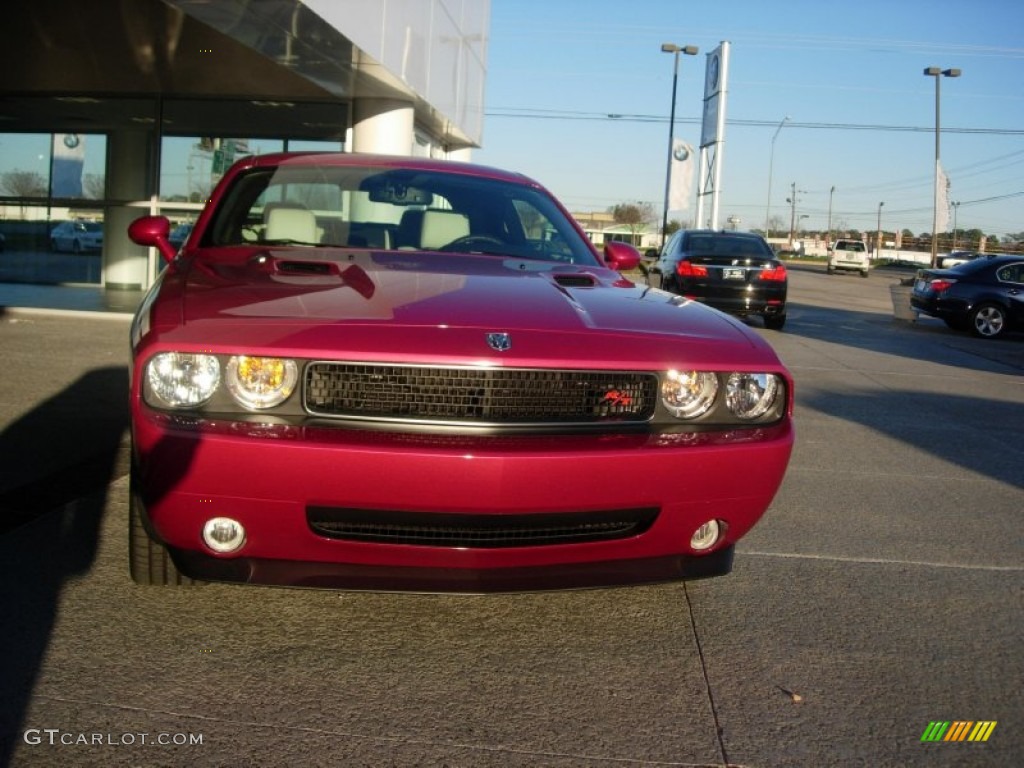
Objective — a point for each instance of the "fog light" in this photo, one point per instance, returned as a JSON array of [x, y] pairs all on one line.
[[222, 534], [706, 536]]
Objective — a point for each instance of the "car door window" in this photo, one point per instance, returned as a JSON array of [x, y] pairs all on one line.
[[1011, 273]]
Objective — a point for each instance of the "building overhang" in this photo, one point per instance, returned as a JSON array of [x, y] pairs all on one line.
[[101, 65]]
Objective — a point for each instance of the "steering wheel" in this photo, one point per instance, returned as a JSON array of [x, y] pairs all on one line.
[[466, 243]]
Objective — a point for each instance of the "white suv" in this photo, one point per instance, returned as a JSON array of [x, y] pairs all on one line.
[[848, 254]]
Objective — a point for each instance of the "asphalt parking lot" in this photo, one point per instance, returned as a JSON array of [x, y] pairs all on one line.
[[883, 591]]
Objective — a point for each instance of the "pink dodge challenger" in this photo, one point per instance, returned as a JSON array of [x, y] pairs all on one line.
[[364, 372]]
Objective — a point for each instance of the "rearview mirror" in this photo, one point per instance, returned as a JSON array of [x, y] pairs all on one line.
[[396, 190]]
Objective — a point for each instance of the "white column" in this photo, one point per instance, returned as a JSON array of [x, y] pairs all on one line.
[[125, 265], [382, 126]]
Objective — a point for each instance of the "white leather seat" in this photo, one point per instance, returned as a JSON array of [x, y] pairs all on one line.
[[442, 227], [296, 224]]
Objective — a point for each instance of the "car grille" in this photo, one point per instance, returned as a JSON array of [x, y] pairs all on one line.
[[478, 395], [477, 531]]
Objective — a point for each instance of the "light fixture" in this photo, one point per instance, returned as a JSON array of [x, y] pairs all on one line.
[[689, 50]]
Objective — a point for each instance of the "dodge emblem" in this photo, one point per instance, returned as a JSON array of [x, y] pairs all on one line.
[[499, 342]]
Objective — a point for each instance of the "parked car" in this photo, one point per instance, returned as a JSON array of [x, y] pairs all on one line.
[[984, 295], [77, 236], [433, 381], [736, 272], [848, 256], [180, 234]]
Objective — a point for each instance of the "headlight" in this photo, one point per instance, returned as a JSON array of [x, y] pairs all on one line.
[[183, 380], [750, 395], [260, 382], [688, 394]]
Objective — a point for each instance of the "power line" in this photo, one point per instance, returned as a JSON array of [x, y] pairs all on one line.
[[554, 114]]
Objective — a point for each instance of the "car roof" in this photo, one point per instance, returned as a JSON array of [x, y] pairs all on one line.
[[987, 260], [999, 257], [722, 233]]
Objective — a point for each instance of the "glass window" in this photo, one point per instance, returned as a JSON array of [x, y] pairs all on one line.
[[62, 166], [52, 190], [191, 166], [1011, 273]]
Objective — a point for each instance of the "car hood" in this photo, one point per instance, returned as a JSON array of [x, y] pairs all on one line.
[[391, 304]]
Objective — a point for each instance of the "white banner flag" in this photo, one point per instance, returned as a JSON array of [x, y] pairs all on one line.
[[681, 184], [941, 199]]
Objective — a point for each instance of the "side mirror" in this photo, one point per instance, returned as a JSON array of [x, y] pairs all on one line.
[[153, 231], [621, 256]]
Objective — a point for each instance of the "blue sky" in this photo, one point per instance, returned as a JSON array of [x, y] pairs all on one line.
[[849, 76]]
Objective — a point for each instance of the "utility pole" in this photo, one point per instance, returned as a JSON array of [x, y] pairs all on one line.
[[792, 212], [831, 193]]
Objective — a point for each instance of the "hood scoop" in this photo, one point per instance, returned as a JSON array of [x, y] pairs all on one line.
[[295, 267], [575, 281]]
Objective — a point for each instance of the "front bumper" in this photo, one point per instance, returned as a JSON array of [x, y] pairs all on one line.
[[268, 476], [320, 575]]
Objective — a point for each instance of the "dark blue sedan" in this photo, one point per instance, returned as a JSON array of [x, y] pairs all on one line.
[[984, 295]]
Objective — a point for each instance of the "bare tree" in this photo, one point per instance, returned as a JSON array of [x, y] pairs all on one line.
[[776, 224], [94, 186], [23, 184], [636, 216], [675, 225]]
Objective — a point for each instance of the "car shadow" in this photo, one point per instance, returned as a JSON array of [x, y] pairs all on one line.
[[982, 443], [71, 447], [925, 339]]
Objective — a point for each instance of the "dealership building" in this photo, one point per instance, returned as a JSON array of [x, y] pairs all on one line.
[[110, 109]]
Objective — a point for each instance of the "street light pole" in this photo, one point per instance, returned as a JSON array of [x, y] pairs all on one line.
[[937, 72], [689, 50], [771, 162]]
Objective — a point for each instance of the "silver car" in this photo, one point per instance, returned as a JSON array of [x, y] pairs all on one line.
[[77, 236]]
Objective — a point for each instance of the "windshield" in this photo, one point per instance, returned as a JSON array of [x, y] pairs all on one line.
[[394, 209], [714, 244]]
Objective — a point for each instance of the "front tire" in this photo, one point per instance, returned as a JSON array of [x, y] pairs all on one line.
[[148, 561], [774, 322], [988, 321]]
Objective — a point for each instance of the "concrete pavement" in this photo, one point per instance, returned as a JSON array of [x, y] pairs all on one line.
[[883, 590]]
